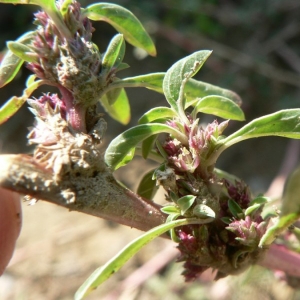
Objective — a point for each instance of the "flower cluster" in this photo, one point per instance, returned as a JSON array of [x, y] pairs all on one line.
[[230, 242], [247, 232], [74, 64], [200, 144]]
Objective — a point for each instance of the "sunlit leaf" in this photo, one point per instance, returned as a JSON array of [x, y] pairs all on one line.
[[30, 80], [193, 89], [64, 6], [120, 109], [113, 95], [156, 114], [170, 209], [290, 209], [182, 70], [151, 81], [22, 51], [11, 64], [124, 22], [219, 106], [172, 217], [253, 208], [112, 266], [203, 211], [129, 139], [279, 227], [152, 115], [198, 89], [147, 187], [114, 54], [186, 202], [260, 200], [15, 103], [284, 123]]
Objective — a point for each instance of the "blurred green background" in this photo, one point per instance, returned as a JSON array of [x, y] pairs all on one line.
[[256, 53]]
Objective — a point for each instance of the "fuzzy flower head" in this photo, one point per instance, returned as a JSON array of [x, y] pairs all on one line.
[[50, 120], [247, 232], [200, 144], [229, 244], [74, 64]]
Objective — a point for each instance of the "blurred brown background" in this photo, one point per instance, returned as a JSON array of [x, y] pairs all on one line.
[[256, 52]]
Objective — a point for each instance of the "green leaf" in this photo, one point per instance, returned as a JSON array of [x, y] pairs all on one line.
[[186, 202], [193, 89], [203, 211], [147, 187], [156, 114], [279, 227], [147, 145], [284, 123], [170, 218], [151, 81], [11, 64], [112, 266], [22, 51], [120, 109], [219, 106], [124, 22], [128, 140], [260, 200], [114, 54], [170, 209], [122, 66], [30, 80], [291, 198], [197, 89], [153, 155], [253, 208], [235, 209], [64, 6], [113, 95], [15, 103], [182, 71]]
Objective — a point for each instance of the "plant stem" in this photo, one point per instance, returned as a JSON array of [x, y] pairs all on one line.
[[280, 258], [75, 113], [103, 197]]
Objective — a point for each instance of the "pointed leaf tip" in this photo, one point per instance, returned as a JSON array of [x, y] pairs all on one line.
[[124, 22], [181, 71]]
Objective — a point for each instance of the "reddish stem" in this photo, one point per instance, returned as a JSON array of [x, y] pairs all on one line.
[[75, 113], [278, 257]]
